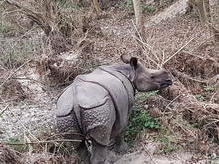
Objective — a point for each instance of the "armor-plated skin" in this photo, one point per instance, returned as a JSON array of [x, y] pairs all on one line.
[[98, 104]]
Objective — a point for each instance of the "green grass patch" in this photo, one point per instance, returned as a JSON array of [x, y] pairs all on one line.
[[142, 96], [209, 89], [145, 7], [200, 97], [129, 4], [16, 144], [140, 119], [68, 4], [6, 28], [16, 52], [207, 93], [148, 8], [168, 141]]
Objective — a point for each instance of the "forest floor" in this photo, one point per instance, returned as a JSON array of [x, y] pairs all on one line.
[[28, 98]]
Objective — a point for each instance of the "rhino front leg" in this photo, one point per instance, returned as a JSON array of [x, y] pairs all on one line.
[[98, 153], [120, 145]]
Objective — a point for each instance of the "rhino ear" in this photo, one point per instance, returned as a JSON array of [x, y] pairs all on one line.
[[125, 58], [134, 62]]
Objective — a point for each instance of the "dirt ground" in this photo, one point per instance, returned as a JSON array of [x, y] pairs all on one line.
[[27, 106]]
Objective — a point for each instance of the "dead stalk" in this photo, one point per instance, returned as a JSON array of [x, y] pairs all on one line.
[[172, 101], [1, 113], [12, 74], [146, 46], [185, 76], [178, 51]]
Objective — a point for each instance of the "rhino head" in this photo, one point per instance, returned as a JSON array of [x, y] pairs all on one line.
[[145, 79]]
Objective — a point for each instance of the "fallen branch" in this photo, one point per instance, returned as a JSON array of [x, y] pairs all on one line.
[[41, 142]]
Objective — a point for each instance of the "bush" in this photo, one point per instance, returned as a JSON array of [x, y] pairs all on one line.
[[140, 119]]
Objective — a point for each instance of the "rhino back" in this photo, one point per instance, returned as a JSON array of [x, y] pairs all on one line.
[[90, 95], [117, 92]]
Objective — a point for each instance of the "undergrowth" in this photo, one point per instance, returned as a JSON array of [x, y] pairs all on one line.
[[15, 143], [207, 93], [14, 52], [167, 140], [68, 4], [140, 119], [6, 28]]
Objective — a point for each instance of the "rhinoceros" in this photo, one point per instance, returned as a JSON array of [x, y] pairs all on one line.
[[97, 104]]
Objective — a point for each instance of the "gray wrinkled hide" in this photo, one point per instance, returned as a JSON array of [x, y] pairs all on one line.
[[96, 104]]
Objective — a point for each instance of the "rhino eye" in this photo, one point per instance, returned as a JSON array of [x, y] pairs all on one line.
[[152, 77]]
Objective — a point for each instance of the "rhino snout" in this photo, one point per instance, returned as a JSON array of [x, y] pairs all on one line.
[[166, 83]]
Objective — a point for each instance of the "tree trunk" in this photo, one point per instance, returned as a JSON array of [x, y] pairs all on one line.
[[214, 11], [139, 17]]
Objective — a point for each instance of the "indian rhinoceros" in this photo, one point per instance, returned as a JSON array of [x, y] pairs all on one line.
[[97, 105]]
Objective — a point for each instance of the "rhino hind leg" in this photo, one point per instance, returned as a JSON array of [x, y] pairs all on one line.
[[68, 128], [68, 124], [120, 145], [98, 153]]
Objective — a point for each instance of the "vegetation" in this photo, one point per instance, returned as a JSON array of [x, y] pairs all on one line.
[[145, 7], [168, 144], [6, 28], [68, 4], [149, 8], [16, 144], [138, 122]]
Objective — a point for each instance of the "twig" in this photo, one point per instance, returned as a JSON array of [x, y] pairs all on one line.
[[178, 51], [172, 101], [147, 46], [139, 36], [140, 40], [10, 76], [212, 97], [210, 123], [41, 142], [4, 110], [30, 79], [185, 76]]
